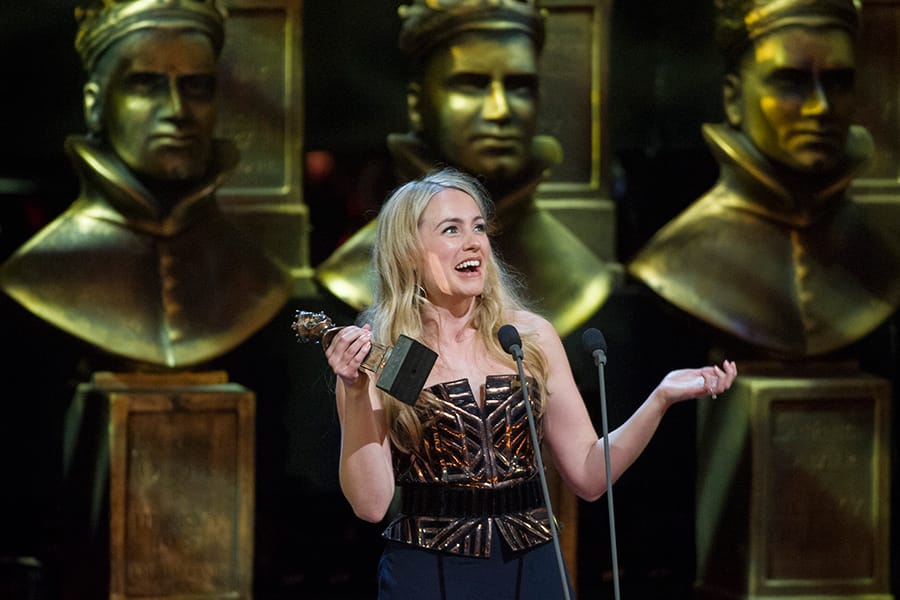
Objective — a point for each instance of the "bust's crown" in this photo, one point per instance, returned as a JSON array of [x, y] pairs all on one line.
[[739, 22], [101, 27], [427, 24]]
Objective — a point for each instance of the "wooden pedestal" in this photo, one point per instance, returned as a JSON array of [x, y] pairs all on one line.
[[793, 489], [179, 454]]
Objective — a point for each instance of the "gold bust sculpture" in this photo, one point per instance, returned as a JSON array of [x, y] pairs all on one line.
[[472, 103], [777, 254], [144, 265]]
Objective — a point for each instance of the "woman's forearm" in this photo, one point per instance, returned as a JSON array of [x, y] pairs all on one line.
[[365, 474]]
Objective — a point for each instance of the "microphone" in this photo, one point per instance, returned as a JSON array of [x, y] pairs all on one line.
[[402, 369], [595, 344], [509, 339]]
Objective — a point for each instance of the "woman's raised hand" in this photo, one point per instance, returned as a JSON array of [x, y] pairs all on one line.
[[684, 384]]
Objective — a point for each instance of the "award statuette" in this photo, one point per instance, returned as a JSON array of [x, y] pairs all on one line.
[[401, 369]]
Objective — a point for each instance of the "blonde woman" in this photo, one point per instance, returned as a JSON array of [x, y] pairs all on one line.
[[472, 521]]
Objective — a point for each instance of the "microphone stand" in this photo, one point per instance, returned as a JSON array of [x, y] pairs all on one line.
[[600, 360], [517, 354]]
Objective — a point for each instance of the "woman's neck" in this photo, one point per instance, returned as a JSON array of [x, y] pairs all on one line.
[[447, 326], [461, 352]]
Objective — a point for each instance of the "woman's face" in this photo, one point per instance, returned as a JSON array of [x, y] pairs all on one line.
[[455, 247]]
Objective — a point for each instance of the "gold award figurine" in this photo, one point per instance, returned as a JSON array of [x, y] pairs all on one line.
[[472, 103], [401, 369], [144, 265], [777, 253]]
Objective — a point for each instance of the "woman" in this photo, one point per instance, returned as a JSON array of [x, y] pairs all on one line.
[[471, 522]]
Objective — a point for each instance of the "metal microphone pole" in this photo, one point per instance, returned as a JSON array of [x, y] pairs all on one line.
[[510, 341], [540, 466], [600, 359]]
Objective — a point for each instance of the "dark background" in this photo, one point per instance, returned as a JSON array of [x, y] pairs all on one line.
[[664, 83]]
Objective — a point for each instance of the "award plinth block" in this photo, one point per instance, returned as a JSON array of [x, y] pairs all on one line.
[[178, 451], [793, 487]]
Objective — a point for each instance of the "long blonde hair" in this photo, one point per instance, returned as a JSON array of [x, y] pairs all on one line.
[[397, 297]]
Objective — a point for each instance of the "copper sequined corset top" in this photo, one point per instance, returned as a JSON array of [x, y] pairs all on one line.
[[473, 470]]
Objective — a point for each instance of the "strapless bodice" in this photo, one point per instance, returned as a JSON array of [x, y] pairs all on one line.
[[474, 469]]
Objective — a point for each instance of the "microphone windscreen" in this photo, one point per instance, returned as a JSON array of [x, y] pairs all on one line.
[[593, 340], [509, 337]]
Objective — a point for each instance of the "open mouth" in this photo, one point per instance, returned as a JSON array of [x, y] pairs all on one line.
[[468, 266]]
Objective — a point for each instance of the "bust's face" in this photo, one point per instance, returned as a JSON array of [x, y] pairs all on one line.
[[796, 96], [478, 103], [159, 109]]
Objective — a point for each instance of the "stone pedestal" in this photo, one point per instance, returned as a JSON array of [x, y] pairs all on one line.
[[793, 487], [167, 462]]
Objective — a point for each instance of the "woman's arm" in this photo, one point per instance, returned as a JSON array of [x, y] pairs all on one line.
[[366, 472], [568, 430]]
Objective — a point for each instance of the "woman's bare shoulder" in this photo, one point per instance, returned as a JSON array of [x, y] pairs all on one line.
[[527, 321]]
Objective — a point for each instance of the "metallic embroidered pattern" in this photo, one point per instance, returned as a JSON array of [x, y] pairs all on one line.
[[466, 446]]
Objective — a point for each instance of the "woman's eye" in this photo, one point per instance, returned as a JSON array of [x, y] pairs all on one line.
[[480, 228], [450, 229]]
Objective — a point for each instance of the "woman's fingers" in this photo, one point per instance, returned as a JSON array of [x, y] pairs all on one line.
[[718, 379], [348, 350]]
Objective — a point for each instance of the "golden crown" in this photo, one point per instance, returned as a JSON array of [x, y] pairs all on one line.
[[101, 27], [741, 21], [429, 23]]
